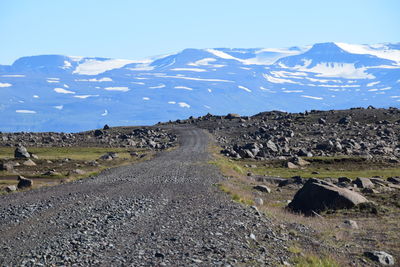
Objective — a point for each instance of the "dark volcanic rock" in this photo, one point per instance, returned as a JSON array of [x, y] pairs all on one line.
[[21, 153], [317, 195], [24, 183], [380, 256]]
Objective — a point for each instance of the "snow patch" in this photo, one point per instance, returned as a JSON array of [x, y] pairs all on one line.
[[158, 86], [13, 76], [183, 105], [5, 85], [244, 88], [84, 96], [189, 69], [184, 88], [63, 91], [380, 50], [120, 89], [94, 67], [25, 111], [202, 62], [312, 97], [104, 79]]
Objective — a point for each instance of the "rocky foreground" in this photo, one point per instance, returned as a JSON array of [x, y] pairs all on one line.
[[371, 133], [162, 212]]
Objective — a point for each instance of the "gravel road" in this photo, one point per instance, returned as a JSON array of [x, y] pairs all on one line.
[[162, 212]]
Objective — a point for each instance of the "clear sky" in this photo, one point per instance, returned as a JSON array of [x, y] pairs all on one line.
[[134, 29]]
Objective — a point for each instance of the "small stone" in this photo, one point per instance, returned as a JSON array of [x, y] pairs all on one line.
[[259, 201], [29, 162], [262, 188], [350, 224]]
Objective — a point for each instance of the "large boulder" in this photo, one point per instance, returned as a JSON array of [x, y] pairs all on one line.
[[380, 256], [362, 182], [21, 153], [24, 183], [317, 195]]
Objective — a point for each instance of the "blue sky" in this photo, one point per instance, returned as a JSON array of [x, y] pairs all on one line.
[[136, 29]]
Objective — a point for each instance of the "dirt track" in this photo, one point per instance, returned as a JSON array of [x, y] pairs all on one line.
[[163, 212]]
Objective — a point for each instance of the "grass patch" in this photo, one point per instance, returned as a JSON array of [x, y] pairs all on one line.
[[314, 261], [309, 172], [77, 153]]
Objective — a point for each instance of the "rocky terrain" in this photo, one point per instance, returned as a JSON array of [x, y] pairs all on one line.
[[162, 212], [138, 137], [274, 160], [244, 206], [371, 133]]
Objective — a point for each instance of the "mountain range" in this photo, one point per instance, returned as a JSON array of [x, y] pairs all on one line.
[[70, 93]]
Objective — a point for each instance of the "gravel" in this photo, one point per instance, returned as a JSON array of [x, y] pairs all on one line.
[[162, 212]]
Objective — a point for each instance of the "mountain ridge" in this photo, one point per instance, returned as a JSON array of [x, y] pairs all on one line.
[[69, 93]]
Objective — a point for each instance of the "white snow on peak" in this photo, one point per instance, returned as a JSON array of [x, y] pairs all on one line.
[[60, 107], [380, 50], [272, 79], [244, 88], [158, 86], [67, 65], [312, 97], [94, 67], [104, 79], [84, 96], [26, 111], [293, 91], [63, 91], [221, 54], [189, 69], [120, 89], [105, 113], [184, 88], [13, 76], [146, 98], [5, 85], [202, 62], [373, 83], [335, 69], [183, 105], [193, 79]]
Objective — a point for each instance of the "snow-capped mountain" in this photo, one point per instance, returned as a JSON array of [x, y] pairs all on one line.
[[64, 93]]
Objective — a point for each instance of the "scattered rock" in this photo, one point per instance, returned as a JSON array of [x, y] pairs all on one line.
[[380, 256], [363, 182], [21, 153], [232, 116], [262, 188], [10, 188], [29, 162], [7, 166], [24, 182], [350, 224], [317, 195], [259, 201]]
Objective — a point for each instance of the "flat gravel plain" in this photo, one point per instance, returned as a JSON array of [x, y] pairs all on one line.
[[162, 212]]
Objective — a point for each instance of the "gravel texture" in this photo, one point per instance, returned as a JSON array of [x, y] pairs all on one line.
[[162, 212]]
